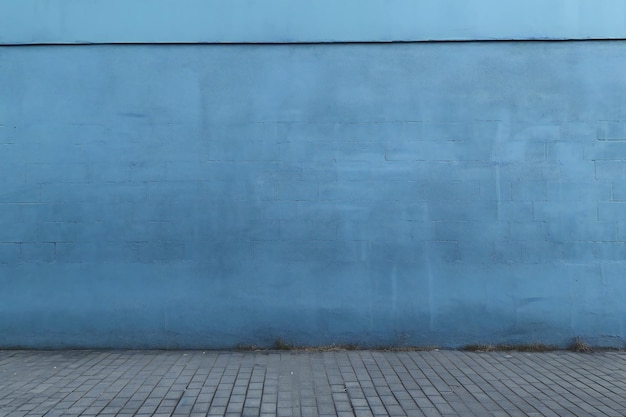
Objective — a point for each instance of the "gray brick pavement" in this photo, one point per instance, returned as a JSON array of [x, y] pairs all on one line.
[[309, 384]]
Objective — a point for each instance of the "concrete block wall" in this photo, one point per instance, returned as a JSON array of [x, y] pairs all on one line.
[[378, 194]]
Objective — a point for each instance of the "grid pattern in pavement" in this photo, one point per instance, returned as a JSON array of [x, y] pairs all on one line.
[[307, 384]]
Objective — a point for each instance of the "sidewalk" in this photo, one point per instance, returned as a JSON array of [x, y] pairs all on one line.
[[307, 384]]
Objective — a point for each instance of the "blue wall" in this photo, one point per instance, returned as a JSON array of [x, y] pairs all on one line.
[[206, 195], [270, 21]]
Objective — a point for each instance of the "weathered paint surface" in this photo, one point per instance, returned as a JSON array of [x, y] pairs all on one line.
[[272, 21], [205, 196]]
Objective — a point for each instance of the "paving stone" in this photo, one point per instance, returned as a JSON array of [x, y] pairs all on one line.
[[307, 384]]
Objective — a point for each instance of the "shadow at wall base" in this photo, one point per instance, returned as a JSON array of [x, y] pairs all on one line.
[[177, 306], [206, 322]]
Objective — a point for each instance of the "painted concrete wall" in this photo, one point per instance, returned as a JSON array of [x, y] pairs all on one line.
[[227, 21], [206, 196]]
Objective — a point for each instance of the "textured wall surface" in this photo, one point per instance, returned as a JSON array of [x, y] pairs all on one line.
[[205, 196], [275, 21]]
